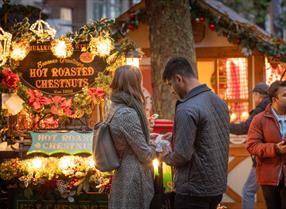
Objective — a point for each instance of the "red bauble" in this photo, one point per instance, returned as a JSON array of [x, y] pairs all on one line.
[[202, 19], [237, 41], [212, 27], [132, 15], [131, 27]]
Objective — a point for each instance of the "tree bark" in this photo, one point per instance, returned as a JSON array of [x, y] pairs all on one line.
[[170, 35]]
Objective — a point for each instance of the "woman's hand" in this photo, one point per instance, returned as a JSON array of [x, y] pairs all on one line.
[[153, 137], [168, 136]]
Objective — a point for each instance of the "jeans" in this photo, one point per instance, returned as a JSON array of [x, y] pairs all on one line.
[[249, 189], [275, 196], [191, 202]]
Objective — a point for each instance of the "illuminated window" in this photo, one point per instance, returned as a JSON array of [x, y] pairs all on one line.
[[66, 14], [228, 78], [106, 8], [233, 86], [273, 71]]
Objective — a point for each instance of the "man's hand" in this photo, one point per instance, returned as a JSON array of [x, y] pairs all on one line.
[[164, 152], [281, 147]]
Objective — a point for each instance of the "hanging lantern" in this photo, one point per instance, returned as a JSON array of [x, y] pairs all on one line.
[[133, 58], [62, 47], [20, 50], [101, 45], [12, 102], [5, 43], [43, 30]]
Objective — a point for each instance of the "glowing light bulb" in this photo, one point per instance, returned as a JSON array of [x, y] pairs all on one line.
[[65, 163], [244, 115], [91, 163], [233, 116], [134, 61], [19, 53], [100, 45], [103, 48], [156, 166], [36, 163], [62, 47]]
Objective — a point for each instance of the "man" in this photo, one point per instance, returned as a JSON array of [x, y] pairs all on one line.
[[200, 139], [266, 140], [261, 100]]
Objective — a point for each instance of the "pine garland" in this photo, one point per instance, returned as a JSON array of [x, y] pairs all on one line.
[[247, 36]]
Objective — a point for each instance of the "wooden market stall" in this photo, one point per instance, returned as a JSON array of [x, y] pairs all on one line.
[[53, 92], [232, 56]]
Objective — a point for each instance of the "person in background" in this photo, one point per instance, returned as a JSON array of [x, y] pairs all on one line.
[[200, 139], [266, 140], [132, 184], [261, 100]]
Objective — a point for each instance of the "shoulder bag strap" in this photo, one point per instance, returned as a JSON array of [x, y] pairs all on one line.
[[108, 120]]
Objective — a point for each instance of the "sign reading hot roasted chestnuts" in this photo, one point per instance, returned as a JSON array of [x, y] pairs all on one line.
[[43, 71]]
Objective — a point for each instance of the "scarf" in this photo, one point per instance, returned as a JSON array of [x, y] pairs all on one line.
[[128, 100]]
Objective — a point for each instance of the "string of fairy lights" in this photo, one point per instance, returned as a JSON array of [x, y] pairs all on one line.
[[62, 47]]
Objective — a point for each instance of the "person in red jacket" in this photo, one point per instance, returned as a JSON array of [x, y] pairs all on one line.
[[267, 141]]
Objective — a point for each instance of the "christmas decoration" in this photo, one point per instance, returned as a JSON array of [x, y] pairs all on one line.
[[202, 19], [62, 47], [5, 43], [66, 176], [212, 27], [9, 80], [20, 50], [246, 35], [101, 45], [50, 111], [43, 30]]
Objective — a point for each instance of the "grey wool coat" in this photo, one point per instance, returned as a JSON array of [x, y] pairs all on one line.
[[132, 184]]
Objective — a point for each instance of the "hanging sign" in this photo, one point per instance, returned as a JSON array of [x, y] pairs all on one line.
[[43, 71], [61, 142]]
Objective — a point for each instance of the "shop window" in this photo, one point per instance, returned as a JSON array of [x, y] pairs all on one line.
[[228, 77], [135, 1], [274, 70], [106, 8], [66, 14], [233, 86]]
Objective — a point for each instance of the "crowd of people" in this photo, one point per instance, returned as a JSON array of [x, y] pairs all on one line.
[[200, 139]]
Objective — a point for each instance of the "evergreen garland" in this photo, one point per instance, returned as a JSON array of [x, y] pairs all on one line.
[[247, 36]]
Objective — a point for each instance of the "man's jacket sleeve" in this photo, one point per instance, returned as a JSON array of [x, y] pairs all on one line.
[[256, 143], [185, 134]]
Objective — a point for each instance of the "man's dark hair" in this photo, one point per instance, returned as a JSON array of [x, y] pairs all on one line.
[[178, 65], [272, 91]]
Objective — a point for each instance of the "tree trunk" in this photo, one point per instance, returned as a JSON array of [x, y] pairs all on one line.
[[170, 35]]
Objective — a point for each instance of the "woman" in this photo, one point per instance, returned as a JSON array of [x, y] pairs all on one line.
[[132, 184]]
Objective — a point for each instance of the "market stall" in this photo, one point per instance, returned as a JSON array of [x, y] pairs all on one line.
[[54, 90]]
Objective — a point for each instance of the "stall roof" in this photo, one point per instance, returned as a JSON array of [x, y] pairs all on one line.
[[214, 6], [248, 31], [220, 8]]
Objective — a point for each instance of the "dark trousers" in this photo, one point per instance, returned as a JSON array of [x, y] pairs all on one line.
[[191, 202], [275, 196]]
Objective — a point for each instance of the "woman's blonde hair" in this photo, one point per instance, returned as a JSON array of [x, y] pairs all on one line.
[[128, 79]]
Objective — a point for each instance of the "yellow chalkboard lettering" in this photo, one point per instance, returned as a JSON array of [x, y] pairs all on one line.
[[38, 73]]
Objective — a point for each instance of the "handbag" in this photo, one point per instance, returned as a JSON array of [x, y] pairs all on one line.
[[104, 153]]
